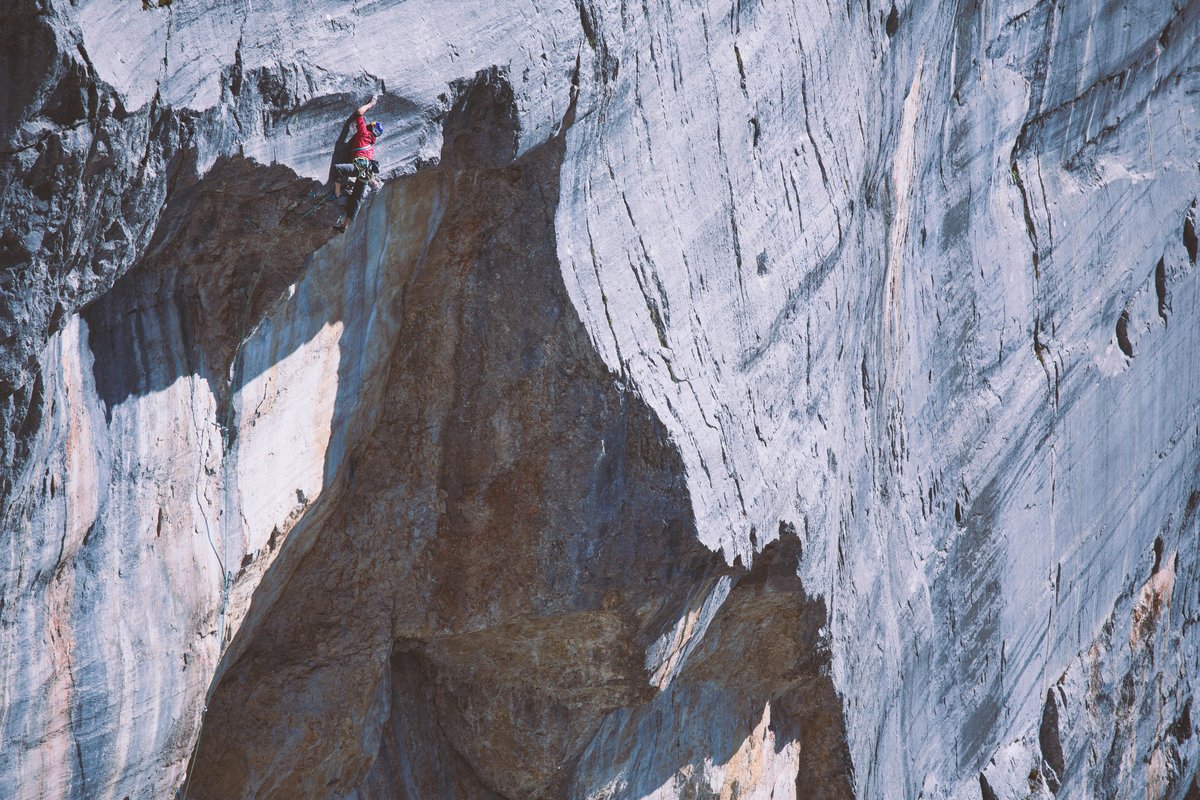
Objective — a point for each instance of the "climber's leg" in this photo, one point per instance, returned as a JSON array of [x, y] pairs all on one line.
[[342, 173]]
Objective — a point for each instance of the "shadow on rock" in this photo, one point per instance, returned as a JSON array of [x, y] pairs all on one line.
[[224, 250], [754, 704], [516, 533]]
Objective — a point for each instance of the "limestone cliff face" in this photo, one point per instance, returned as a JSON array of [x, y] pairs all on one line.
[[719, 400]]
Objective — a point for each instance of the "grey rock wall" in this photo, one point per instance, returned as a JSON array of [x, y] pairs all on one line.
[[774, 399]]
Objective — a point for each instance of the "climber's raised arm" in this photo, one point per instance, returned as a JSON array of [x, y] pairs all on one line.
[[362, 110]]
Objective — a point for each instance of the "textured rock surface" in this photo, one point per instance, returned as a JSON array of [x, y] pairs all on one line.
[[776, 399]]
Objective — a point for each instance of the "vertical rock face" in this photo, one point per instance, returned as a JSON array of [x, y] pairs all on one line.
[[776, 399]]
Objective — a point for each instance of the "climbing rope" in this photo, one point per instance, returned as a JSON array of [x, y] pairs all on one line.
[[225, 426], [225, 582]]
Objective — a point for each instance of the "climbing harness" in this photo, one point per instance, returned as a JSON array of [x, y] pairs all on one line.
[[366, 170]]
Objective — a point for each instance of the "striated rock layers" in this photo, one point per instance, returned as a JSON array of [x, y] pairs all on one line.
[[742, 400]]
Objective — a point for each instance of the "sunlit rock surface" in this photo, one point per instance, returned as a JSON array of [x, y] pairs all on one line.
[[741, 400]]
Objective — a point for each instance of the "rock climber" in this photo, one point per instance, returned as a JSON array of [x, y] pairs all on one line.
[[362, 150], [362, 168]]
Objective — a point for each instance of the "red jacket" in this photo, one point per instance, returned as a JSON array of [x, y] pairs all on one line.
[[362, 143]]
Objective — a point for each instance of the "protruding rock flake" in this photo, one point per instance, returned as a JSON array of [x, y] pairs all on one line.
[[763, 400]]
